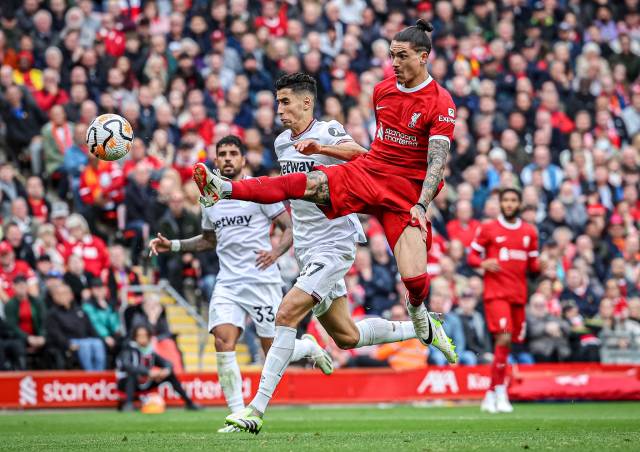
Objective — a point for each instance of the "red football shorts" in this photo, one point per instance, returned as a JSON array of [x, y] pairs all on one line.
[[505, 317], [360, 186]]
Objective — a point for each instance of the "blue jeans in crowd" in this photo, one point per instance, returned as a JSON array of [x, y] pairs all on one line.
[[91, 353]]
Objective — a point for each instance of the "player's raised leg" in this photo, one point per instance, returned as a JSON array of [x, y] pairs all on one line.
[[411, 255], [348, 334], [313, 187]]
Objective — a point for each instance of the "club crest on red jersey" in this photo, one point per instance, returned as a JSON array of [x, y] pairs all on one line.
[[414, 120]]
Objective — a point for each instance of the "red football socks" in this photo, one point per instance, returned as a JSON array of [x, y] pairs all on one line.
[[267, 190], [418, 288], [499, 366]]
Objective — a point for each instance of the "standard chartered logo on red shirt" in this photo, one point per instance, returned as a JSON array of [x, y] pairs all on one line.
[[506, 254], [396, 136]]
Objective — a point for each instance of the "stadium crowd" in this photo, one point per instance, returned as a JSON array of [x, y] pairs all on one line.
[[548, 99]]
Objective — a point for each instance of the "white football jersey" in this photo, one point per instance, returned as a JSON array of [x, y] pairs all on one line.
[[310, 226], [242, 229]]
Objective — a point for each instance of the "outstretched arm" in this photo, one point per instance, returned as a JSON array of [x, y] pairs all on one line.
[[438, 152], [203, 242], [346, 150]]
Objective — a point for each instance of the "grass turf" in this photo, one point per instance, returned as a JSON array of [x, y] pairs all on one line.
[[580, 426]]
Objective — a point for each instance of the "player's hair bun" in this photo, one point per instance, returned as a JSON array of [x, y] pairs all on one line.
[[423, 25]]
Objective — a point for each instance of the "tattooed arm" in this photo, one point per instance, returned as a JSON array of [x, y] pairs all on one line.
[[203, 242], [436, 162], [438, 152]]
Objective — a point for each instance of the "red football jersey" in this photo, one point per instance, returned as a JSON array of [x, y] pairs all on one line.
[[93, 251], [8, 275], [515, 247], [407, 118]]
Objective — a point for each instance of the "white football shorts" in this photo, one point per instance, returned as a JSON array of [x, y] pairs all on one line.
[[232, 303], [323, 269]]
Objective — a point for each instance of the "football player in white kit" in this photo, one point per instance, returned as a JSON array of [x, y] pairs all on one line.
[[249, 281], [324, 248]]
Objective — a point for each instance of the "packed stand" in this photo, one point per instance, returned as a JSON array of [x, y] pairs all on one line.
[[548, 99]]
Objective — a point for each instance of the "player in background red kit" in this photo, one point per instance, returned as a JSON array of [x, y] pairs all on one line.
[[506, 249], [395, 181]]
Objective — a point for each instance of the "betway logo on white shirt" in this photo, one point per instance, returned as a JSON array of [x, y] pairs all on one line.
[[242, 229], [310, 226]]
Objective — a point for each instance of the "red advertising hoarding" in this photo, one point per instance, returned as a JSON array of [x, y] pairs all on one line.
[[76, 389]]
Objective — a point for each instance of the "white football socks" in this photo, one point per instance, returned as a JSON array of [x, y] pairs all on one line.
[[230, 380], [380, 331], [274, 366]]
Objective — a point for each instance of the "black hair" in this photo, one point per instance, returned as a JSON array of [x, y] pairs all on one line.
[[134, 333], [416, 35], [504, 191], [232, 140], [298, 82]]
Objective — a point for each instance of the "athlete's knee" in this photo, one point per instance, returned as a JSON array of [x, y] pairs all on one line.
[[287, 315], [224, 343], [346, 341]]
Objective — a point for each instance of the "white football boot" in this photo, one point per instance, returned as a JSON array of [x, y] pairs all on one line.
[[489, 403], [320, 356], [502, 400], [229, 429], [429, 330]]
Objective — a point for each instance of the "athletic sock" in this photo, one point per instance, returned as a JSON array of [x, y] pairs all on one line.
[[267, 190], [381, 331], [499, 365], [303, 349], [418, 288], [275, 364], [230, 380]]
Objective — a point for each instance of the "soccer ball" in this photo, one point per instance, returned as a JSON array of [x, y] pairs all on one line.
[[109, 137]]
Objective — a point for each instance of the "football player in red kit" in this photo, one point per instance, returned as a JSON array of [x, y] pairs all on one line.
[[395, 181], [507, 249]]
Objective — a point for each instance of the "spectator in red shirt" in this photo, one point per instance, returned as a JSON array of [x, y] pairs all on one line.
[[90, 247], [186, 157], [199, 122], [272, 18], [51, 94], [39, 206], [25, 316], [464, 227], [113, 38], [10, 268], [102, 187]]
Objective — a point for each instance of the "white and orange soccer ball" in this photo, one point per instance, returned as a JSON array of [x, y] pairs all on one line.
[[109, 137], [153, 404]]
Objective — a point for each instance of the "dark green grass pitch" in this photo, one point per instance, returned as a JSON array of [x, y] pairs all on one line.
[[579, 426]]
